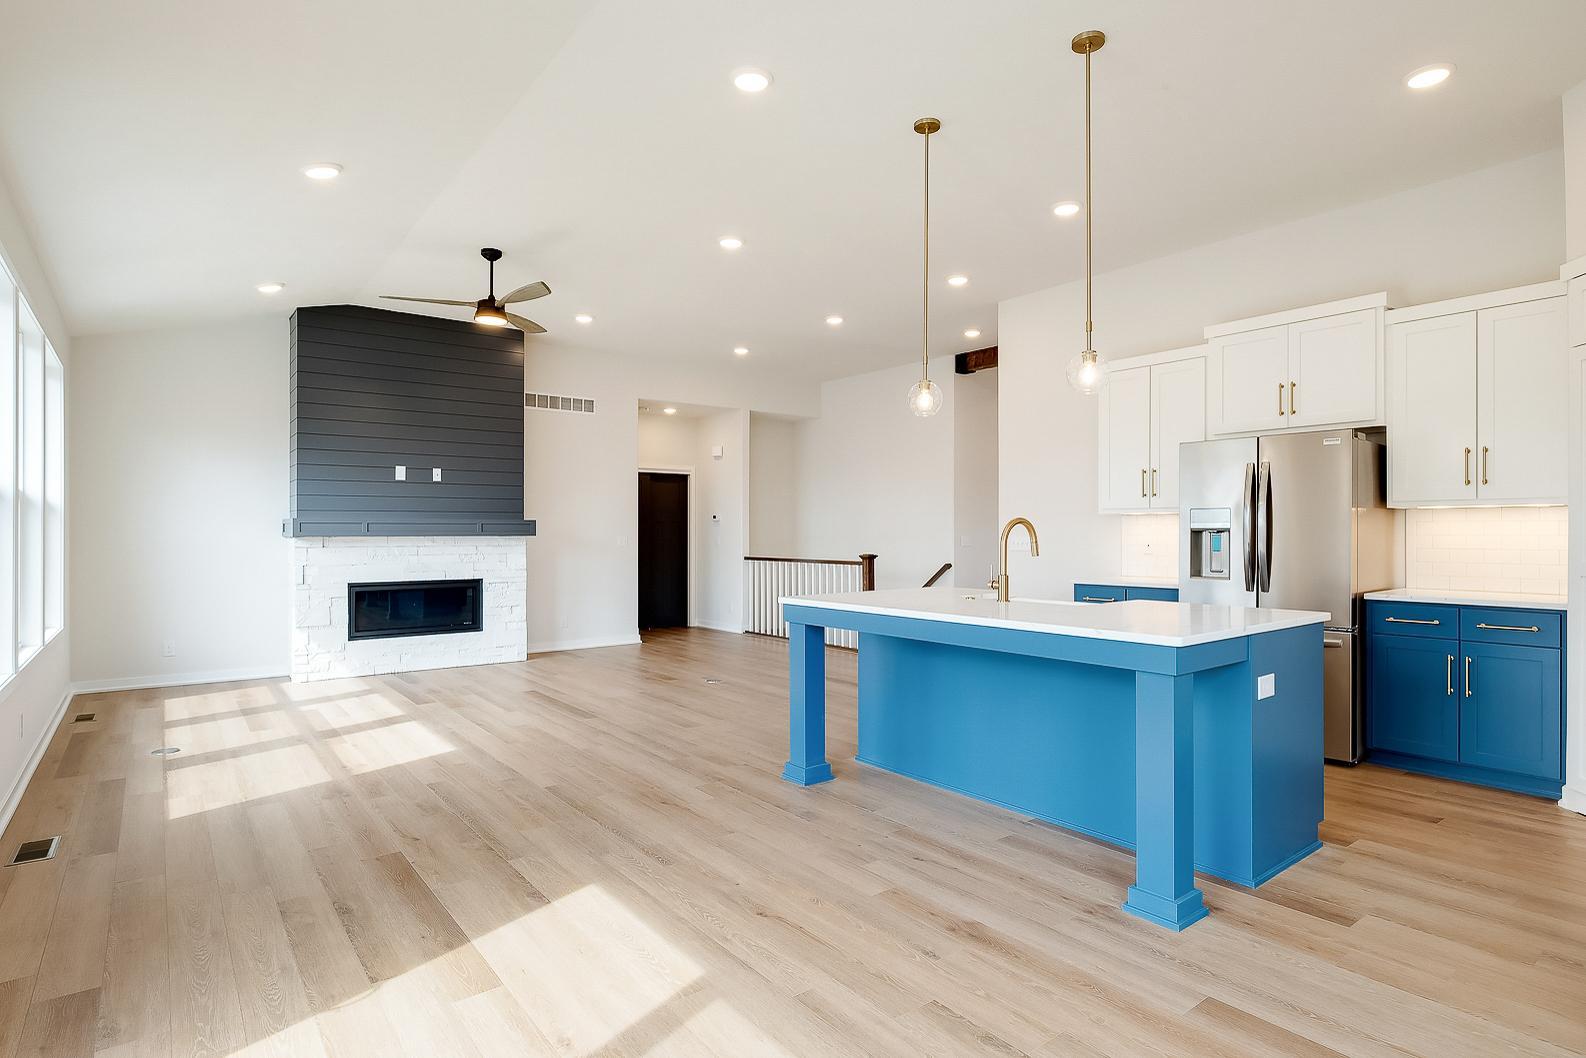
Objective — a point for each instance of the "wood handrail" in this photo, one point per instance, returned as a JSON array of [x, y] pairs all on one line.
[[938, 574]]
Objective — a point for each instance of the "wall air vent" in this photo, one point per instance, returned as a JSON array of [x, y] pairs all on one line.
[[83, 718], [550, 402]]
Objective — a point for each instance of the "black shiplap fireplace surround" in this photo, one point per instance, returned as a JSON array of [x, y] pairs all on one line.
[[414, 608]]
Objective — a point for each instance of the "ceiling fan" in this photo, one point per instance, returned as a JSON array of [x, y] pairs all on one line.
[[491, 310]]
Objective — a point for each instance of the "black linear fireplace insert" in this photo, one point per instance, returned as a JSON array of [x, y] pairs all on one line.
[[414, 608]]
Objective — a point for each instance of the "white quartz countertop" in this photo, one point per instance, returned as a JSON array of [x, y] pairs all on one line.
[[1511, 600], [1131, 582], [1169, 624]]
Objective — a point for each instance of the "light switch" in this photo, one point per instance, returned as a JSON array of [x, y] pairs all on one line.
[[435, 475], [1266, 685], [401, 472]]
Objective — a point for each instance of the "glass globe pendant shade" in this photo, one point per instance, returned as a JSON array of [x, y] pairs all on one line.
[[925, 398], [1087, 373]]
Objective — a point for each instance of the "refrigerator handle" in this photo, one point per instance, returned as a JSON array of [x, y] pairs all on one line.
[[1250, 526], [1264, 529]]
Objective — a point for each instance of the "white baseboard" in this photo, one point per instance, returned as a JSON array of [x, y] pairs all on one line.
[[734, 629], [1574, 799], [176, 679], [14, 798], [555, 645]]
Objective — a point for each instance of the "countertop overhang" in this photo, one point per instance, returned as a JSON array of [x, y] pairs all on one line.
[[1168, 624]]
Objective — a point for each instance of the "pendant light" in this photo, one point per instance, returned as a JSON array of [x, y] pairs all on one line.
[[925, 396], [1087, 372]]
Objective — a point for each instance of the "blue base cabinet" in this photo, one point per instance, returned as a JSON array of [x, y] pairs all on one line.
[[1467, 693], [1122, 593]]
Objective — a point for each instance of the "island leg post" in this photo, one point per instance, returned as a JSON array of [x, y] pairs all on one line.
[[1164, 889], [806, 763]]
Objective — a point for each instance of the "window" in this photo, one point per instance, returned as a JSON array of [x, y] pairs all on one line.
[[32, 483]]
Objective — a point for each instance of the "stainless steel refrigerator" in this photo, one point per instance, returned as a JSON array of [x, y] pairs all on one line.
[[1293, 521]]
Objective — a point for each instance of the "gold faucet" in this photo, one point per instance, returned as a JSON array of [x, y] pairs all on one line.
[[1035, 549]]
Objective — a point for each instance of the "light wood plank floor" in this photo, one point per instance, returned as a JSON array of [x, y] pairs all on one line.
[[591, 854]]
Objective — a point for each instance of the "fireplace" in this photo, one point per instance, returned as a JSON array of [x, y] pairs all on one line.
[[414, 608]]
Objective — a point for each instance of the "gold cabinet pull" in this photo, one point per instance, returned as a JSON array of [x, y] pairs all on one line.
[[1410, 621], [1292, 387], [1507, 628], [1142, 482], [1153, 481], [1280, 398], [1467, 466], [1467, 675], [1450, 675], [1484, 464], [1094, 598]]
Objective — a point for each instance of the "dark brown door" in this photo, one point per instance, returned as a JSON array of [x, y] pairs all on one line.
[[663, 550]]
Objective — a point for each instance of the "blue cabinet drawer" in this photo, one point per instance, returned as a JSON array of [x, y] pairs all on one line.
[[1098, 593], [1526, 628], [1510, 716], [1414, 705], [1413, 619], [1159, 594]]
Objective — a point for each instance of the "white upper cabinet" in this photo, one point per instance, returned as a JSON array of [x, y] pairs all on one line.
[[1522, 407], [1124, 471], [1178, 414], [1251, 375], [1477, 401], [1432, 410], [1145, 413], [1301, 369], [1577, 311], [1333, 365]]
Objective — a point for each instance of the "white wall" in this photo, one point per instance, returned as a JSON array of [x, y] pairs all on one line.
[[1433, 242], [874, 477], [1575, 171], [32, 702], [720, 500], [179, 446], [975, 526], [579, 479], [773, 485]]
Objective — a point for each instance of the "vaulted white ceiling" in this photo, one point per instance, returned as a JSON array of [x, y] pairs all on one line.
[[155, 149]]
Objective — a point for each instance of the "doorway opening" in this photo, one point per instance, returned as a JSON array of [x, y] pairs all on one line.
[[663, 549]]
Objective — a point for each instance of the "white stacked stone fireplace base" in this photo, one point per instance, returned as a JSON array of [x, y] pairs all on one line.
[[322, 567]]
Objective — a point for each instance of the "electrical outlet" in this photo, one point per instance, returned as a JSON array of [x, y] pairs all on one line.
[[168, 649], [401, 472], [435, 474]]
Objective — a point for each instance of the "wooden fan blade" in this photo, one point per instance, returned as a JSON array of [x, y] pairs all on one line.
[[527, 326], [427, 301], [527, 292]]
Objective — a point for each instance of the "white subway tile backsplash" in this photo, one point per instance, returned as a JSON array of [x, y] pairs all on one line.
[[1523, 549], [1150, 546]]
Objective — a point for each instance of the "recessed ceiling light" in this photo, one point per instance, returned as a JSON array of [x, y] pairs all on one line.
[[834, 321], [270, 288], [322, 171], [740, 350], [957, 281], [584, 317], [751, 79], [1430, 76], [972, 333], [1066, 209], [730, 242], [668, 411]]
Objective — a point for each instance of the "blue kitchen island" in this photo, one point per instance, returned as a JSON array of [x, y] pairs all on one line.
[[1191, 734]]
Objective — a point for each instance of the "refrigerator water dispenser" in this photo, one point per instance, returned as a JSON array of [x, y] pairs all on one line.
[[1210, 542]]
